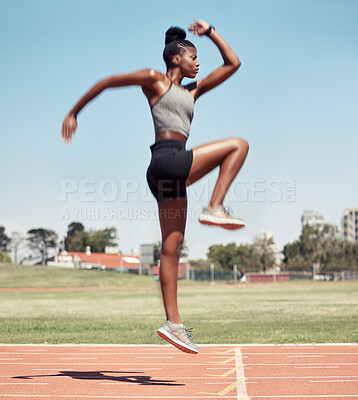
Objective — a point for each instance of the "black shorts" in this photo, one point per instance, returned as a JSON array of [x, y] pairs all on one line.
[[169, 169]]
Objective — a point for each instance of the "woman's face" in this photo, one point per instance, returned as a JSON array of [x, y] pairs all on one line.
[[188, 63]]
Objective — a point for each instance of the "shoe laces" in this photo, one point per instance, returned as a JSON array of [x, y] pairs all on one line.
[[189, 332], [226, 210]]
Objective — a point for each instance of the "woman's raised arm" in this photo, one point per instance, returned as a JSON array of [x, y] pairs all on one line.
[[145, 78], [231, 60]]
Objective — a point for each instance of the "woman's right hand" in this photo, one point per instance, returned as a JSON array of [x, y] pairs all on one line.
[[68, 128]]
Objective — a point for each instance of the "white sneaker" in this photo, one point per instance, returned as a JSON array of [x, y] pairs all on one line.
[[220, 216], [178, 336]]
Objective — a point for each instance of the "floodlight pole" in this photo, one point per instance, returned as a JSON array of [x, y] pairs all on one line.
[[212, 272]]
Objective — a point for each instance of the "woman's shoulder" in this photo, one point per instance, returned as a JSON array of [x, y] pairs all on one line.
[[157, 83], [153, 73]]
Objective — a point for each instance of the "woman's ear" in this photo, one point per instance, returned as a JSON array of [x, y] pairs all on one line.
[[176, 59]]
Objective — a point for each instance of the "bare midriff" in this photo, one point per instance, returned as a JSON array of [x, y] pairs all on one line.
[[170, 135]]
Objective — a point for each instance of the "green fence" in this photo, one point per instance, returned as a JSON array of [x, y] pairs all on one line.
[[197, 275]]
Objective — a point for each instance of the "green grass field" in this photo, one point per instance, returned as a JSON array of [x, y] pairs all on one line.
[[293, 312]]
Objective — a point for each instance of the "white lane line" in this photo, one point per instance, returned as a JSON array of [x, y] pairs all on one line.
[[337, 380], [315, 364], [23, 383], [153, 357], [219, 356], [240, 375], [217, 346], [30, 350], [113, 353], [220, 377], [191, 377], [129, 364], [298, 377], [78, 358], [220, 383], [52, 369], [323, 367], [311, 356], [302, 396], [170, 364], [76, 396], [71, 369], [296, 352]]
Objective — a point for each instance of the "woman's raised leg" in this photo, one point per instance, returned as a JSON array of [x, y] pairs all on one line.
[[230, 154]]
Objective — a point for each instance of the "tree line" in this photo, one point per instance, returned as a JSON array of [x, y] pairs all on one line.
[[260, 255], [317, 245], [41, 240]]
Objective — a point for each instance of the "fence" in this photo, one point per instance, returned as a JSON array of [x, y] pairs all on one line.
[[283, 276], [198, 275]]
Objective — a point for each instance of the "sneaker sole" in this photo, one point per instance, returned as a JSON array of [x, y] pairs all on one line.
[[228, 226], [175, 342]]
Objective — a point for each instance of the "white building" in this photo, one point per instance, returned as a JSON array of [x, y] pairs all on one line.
[[350, 224], [312, 218]]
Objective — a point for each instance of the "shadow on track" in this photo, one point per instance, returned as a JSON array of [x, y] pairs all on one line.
[[100, 375]]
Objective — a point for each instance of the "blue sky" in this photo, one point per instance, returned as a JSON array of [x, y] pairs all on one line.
[[294, 99]]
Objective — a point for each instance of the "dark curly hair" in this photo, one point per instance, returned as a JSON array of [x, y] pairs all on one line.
[[174, 43]]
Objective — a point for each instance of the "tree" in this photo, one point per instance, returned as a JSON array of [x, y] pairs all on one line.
[[257, 256], [41, 240], [4, 239], [223, 256], [200, 264], [156, 251], [184, 252], [76, 237], [98, 240], [320, 245], [74, 228], [265, 246], [293, 258], [16, 240], [248, 257], [77, 242]]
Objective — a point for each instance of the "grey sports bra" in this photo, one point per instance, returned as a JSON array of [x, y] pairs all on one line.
[[174, 111]]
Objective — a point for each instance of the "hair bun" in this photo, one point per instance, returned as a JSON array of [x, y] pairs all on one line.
[[174, 33]]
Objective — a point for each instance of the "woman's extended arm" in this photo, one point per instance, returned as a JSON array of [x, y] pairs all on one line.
[[231, 60], [145, 78]]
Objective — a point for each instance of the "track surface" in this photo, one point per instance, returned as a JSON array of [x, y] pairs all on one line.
[[162, 372]]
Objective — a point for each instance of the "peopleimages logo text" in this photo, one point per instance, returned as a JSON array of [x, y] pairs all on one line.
[[110, 191]]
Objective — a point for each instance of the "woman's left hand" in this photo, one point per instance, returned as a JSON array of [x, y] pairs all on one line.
[[198, 27]]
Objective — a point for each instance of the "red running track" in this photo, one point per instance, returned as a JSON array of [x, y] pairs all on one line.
[[162, 372]]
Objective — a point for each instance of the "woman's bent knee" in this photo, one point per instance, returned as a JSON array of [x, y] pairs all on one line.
[[172, 246], [241, 144]]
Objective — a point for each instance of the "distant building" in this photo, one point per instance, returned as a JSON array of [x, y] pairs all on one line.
[[312, 218], [350, 224], [78, 259]]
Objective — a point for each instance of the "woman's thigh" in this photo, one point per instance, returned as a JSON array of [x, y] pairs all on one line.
[[208, 156]]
